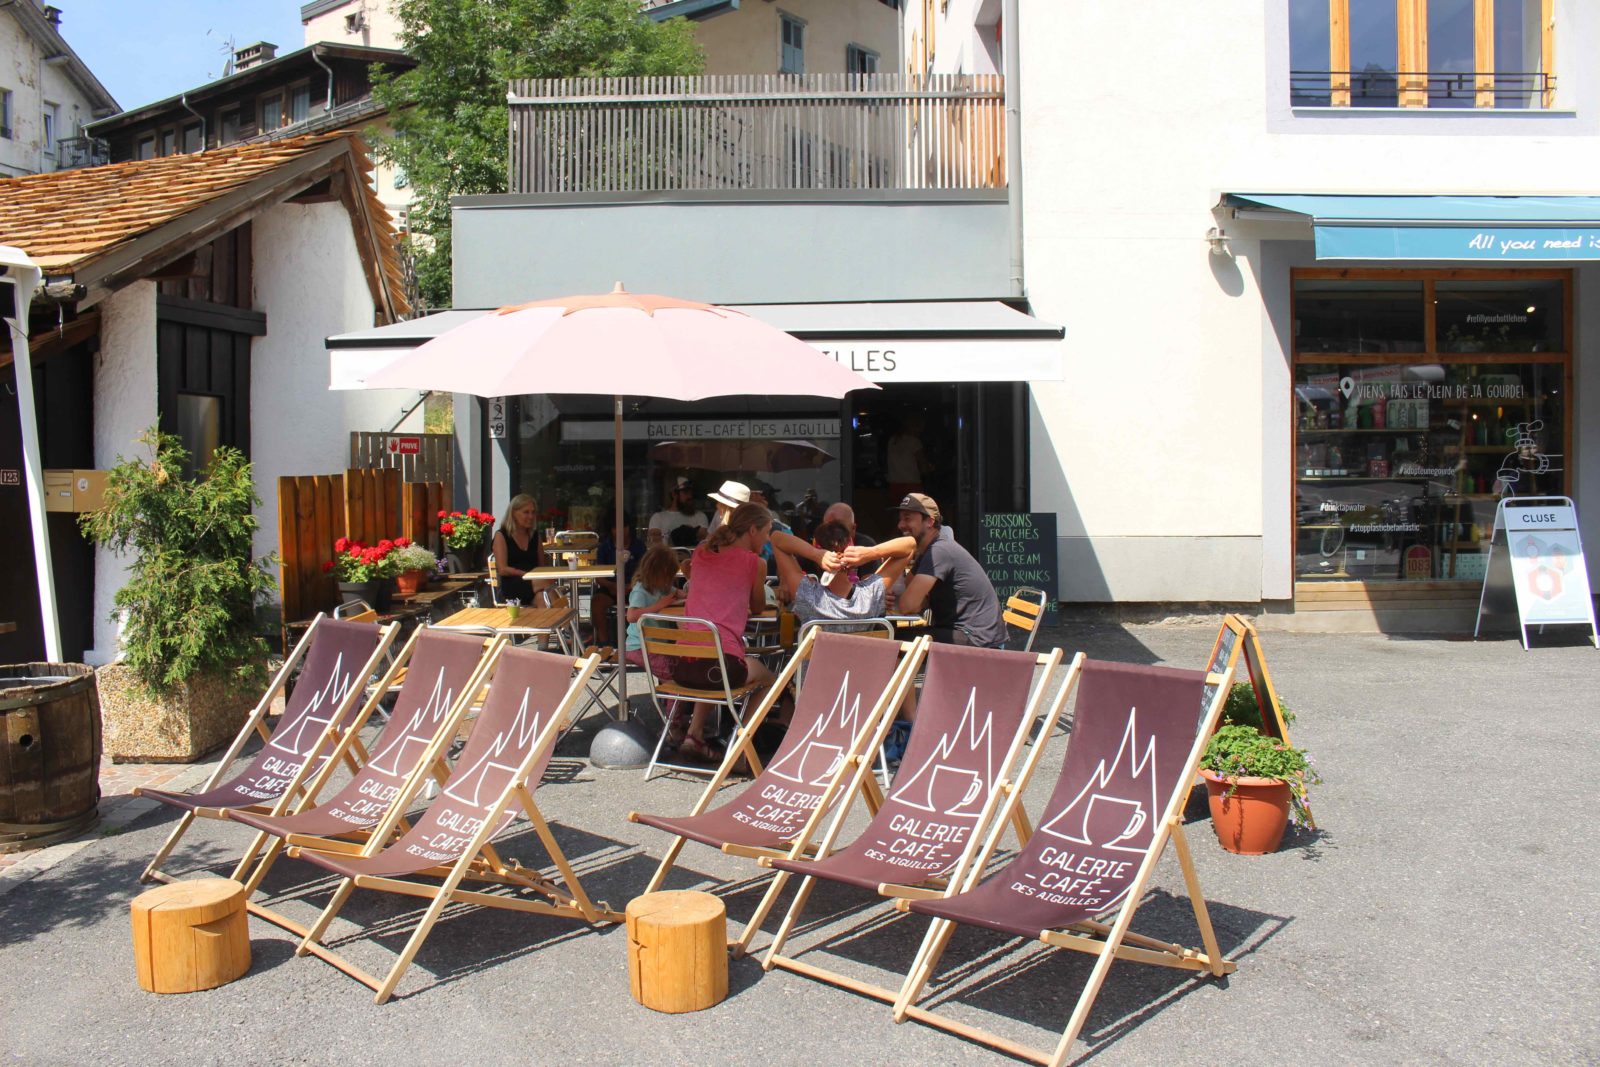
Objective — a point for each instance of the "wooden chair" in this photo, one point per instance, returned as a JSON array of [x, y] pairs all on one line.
[[530, 695], [445, 672], [684, 637], [339, 657], [977, 709], [851, 684], [1131, 758], [1024, 612]]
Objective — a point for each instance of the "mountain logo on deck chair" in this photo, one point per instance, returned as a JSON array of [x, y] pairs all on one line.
[[1116, 806], [297, 740], [814, 762], [952, 787], [468, 785], [399, 753]]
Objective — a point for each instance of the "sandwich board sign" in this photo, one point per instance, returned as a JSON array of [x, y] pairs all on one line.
[[1536, 564]]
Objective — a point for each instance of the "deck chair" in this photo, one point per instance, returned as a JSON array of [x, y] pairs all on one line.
[[338, 658], [531, 693], [1023, 613], [1131, 757], [851, 683], [973, 719], [686, 637], [444, 673]]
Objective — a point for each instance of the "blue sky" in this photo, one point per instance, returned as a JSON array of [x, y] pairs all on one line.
[[147, 50]]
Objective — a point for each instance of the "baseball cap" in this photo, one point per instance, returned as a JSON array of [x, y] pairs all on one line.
[[732, 494], [920, 503], [682, 483]]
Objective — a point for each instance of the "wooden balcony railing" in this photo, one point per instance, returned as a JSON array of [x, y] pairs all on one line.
[[757, 132]]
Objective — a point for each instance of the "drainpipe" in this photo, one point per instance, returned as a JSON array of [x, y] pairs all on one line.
[[183, 102], [1012, 69], [316, 57]]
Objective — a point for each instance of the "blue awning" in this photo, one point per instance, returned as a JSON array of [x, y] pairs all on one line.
[[1477, 229]]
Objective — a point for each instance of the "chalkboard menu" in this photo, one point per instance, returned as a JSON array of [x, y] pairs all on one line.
[[1019, 549]]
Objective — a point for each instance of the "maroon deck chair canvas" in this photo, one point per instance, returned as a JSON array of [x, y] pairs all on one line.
[[971, 722], [530, 696], [1136, 738], [847, 689], [338, 659], [441, 677]]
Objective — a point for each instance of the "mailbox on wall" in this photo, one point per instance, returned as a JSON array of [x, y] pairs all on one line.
[[74, 490]]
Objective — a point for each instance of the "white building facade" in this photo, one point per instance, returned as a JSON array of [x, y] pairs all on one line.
[[46, 91]]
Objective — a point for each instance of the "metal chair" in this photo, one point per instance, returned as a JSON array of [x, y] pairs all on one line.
[[1024, 610], [686, 637]]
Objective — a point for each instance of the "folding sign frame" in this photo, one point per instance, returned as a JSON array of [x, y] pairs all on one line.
[[1238, 639]]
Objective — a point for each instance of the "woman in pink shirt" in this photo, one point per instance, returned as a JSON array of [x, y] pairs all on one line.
[[728, 580]]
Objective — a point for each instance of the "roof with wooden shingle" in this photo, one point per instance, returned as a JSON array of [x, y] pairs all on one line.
[[107, 224]]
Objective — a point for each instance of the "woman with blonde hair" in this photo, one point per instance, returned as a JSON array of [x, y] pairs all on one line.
[[728, 581], [518, 549]]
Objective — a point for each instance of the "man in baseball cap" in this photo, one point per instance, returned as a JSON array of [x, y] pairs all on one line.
[[946, 580], [680, 513]]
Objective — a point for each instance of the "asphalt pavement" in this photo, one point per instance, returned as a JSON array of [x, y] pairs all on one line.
[[1443, 912]]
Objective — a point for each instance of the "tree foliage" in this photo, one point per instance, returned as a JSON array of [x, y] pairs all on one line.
[[449, 113], [194, 584]]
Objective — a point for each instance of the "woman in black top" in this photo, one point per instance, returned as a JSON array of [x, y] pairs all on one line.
[[518, 548]]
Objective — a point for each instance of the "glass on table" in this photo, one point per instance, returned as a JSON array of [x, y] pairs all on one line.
[[513, 609]]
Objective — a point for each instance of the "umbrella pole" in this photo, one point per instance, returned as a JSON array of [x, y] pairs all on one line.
[[620, 544]]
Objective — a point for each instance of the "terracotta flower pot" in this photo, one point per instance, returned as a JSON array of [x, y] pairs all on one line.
[[410, 583], [1252, 820]]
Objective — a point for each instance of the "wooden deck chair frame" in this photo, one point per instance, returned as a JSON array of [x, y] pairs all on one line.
[[1025, 609], [478, 862], [743, 746], [862, 783], [1108, 942], [429, 763], [256, 724], [688, 637]]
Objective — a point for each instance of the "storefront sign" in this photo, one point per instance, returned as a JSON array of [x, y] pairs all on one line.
[[774, 429], [10, 476], [1536, 549], [1018, 549], [953, 360], [1497, 245]]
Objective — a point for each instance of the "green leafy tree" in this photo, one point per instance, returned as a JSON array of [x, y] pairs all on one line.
[[194, 583], [449, 113]]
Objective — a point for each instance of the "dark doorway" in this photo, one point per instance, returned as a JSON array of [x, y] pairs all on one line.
[[203, 374]]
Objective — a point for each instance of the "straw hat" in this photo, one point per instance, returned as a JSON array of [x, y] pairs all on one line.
[[732, 494]]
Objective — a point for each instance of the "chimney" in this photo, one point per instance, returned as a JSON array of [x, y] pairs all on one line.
[[53, 16], [253, 55]]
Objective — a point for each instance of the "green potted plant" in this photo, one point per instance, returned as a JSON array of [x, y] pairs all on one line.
[[1254, 782], [414, 566], [191, 661], [463, 535], [364, 571]]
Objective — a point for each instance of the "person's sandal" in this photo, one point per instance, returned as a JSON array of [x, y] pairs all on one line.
[[694, 747]]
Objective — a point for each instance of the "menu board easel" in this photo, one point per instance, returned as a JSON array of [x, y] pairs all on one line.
[[1536, 565], [1238, 638]]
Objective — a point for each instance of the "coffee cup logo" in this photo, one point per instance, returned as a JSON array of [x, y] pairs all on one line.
[[1108, 821]]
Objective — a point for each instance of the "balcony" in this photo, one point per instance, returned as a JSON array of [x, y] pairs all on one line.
[[758, 132], [75, 152]]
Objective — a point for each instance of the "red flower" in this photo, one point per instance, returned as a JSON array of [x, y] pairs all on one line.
[[341, 544], [447, 527], [385, 545], [328, 566], [488, 520], [402, 542], [442, 514], [472, 513]]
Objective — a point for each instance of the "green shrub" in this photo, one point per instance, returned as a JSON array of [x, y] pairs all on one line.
[[1241, 707], [194, 584]]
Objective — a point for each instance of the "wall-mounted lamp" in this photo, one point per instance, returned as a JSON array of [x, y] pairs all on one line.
[[1218, 241]]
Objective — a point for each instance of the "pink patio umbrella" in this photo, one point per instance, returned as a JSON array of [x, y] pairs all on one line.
[[619, 344]]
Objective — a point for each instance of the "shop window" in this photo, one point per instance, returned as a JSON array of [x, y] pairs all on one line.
[[299, 103], [1368, 316], [1422, 53], [1399, 463]]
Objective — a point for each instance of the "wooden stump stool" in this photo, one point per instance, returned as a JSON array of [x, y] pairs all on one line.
[[678, 950], [190, 935]]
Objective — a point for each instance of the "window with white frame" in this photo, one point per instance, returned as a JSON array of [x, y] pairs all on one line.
[[1422, 53], [858, 60], [792, 59], [49, 117]]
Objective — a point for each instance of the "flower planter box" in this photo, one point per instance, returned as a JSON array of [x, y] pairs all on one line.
[[201, 715]]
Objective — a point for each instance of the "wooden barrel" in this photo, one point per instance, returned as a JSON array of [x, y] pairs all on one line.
[[49, 753]]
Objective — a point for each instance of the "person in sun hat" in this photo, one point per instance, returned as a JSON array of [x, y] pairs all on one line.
[[680, 512]]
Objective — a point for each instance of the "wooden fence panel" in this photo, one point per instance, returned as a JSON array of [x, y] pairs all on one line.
[[372, 504], [432, 461], [420, 506], [311, 516]]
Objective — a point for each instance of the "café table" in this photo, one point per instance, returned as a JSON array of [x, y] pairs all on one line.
[[527, 622]]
